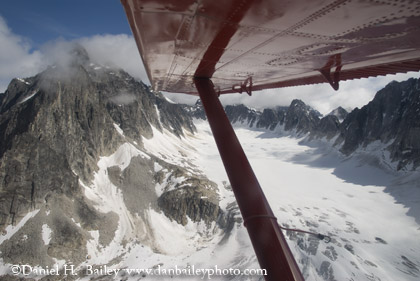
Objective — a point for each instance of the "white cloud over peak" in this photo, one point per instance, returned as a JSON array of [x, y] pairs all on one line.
[[19, 59], [16, 57], [116, 50]]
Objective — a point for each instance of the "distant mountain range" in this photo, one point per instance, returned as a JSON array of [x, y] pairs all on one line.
[[392, 118]]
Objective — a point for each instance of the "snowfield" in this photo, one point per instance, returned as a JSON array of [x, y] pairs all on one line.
[[372, 215]]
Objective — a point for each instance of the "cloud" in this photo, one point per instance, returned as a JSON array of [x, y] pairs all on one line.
[[116, 50], [111, 50], [16, 57], [123, 98]]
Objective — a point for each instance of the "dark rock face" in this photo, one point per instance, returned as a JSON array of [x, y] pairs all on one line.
[[173, 117], [301, 117], [340, 113], [352, 130], [189, 201], [393, 116], [54, 127], [272, 117], [241, 114], [327, 127], [68, 240], [298, 116], [43, 138], [196, 111], [192, 196]]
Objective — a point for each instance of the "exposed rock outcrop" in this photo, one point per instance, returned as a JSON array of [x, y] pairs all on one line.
[[392, 118], [340, 113], [188, 196], [272, 117], [240, 114], [301, 117], [191, 202], [327, 127]]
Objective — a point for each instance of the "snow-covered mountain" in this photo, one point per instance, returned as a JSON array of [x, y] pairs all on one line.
[[84, 177], [105, 179], [388, 126], [392, 118]]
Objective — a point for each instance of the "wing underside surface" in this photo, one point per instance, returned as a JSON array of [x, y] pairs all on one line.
[[252, 45]]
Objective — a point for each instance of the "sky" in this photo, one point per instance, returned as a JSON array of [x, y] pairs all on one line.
[[33, 33]]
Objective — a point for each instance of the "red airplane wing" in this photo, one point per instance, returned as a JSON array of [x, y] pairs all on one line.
[[252, 45]]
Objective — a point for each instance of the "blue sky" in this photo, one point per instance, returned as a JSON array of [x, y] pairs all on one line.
[[45, 20], [33, 33]]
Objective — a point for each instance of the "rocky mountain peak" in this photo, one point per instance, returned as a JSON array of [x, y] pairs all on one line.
[[272, 117], [301, 117], [55, 126], [79, 55], [392, 118], [241, 114], [339, 112]]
